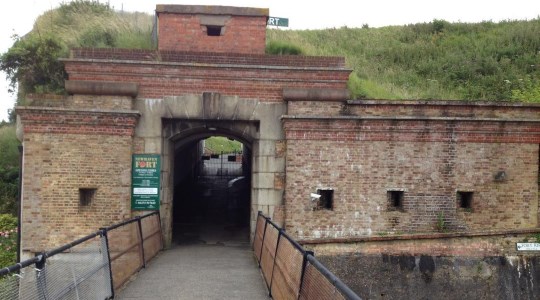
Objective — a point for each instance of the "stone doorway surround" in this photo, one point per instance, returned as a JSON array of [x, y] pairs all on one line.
[[172, 121]]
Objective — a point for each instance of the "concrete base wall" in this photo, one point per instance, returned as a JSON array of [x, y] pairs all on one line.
[[434, 277]]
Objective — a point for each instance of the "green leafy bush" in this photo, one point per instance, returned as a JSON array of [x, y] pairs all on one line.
[[32, 63], [528, 89], [7, 222], [9, 169], [282, 48], [8, 240]]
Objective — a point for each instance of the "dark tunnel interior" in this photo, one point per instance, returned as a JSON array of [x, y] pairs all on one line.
[[211, 202]]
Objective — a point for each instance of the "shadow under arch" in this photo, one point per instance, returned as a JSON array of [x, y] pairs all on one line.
[[208, 208]]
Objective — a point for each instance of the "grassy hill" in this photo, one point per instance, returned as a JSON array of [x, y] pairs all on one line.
[[436, 60]]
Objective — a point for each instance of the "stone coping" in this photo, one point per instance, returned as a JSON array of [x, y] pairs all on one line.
[[212, 10], [405, 118], [421, 236], [443, 103]]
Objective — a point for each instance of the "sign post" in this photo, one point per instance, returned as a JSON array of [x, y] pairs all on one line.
[[145, 181], [280, 22]]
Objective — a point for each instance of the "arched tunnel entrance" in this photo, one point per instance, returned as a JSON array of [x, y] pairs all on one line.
[[211, 190]]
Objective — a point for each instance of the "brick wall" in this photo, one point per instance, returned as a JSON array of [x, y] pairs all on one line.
[[429, 159], [64, 152], [240, 34], [80, 102]]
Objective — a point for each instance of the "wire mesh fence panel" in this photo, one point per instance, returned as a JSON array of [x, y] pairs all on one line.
[[125, 252], [20, 285], [81, 272], [81, 269], [287, 271], [268, 252], [151, 236], [316, 286], [259, 235]]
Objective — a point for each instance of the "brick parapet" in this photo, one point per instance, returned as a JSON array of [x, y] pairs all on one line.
[[477, 244], [413, 129], [138, 55], [159, 79], [422, 236], [416, 109]]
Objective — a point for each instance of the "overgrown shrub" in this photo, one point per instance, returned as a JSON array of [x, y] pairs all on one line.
[[8, 240], [528, 89], [32, 63], [282, 48], [7, 222], [9, 170]]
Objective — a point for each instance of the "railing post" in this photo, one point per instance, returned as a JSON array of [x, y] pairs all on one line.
[[162, 244], [41, 277], [141, 248], [106, 237], [304, 263]]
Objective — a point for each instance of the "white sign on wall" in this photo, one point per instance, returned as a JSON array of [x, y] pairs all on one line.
[[528, 246]]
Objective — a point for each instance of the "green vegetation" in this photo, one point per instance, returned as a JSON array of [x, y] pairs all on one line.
[[282, 48], [9, 169], [219, 144], [436, 60], [32, 61], [8, 240], [441, 223]]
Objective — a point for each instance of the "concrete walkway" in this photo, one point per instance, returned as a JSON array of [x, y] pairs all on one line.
[[199, 271]]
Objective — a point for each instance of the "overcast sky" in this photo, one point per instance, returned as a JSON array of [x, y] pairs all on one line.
[[18, 16]]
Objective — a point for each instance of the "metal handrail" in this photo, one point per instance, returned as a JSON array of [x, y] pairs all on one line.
[[308, 257]]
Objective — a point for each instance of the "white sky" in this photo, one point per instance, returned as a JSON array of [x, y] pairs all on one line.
[[18, 16]]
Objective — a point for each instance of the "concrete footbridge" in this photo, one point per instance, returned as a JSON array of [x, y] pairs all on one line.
[[128, 261]]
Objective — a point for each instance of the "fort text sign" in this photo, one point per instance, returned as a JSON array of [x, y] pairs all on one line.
[[145, 178], [275, 21]]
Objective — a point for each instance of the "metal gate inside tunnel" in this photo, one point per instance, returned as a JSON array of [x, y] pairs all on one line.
[[212, 186]]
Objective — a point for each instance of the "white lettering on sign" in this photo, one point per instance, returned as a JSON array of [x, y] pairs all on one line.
[[528, 246], [273, 21], [145, 191]]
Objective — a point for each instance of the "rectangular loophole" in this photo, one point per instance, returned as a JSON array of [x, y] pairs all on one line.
[[212, 30], [395, 200], [464, 200], [86, 196], [326, 201]]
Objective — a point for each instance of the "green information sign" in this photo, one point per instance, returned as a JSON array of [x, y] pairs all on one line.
[[145, 179], [275, 21]]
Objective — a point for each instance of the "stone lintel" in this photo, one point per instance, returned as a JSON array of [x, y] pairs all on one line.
[[102, 88], [299, 94], [212, 10]]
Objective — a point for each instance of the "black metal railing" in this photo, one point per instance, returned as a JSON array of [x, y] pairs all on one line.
[[290, 272], [92, 267]]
